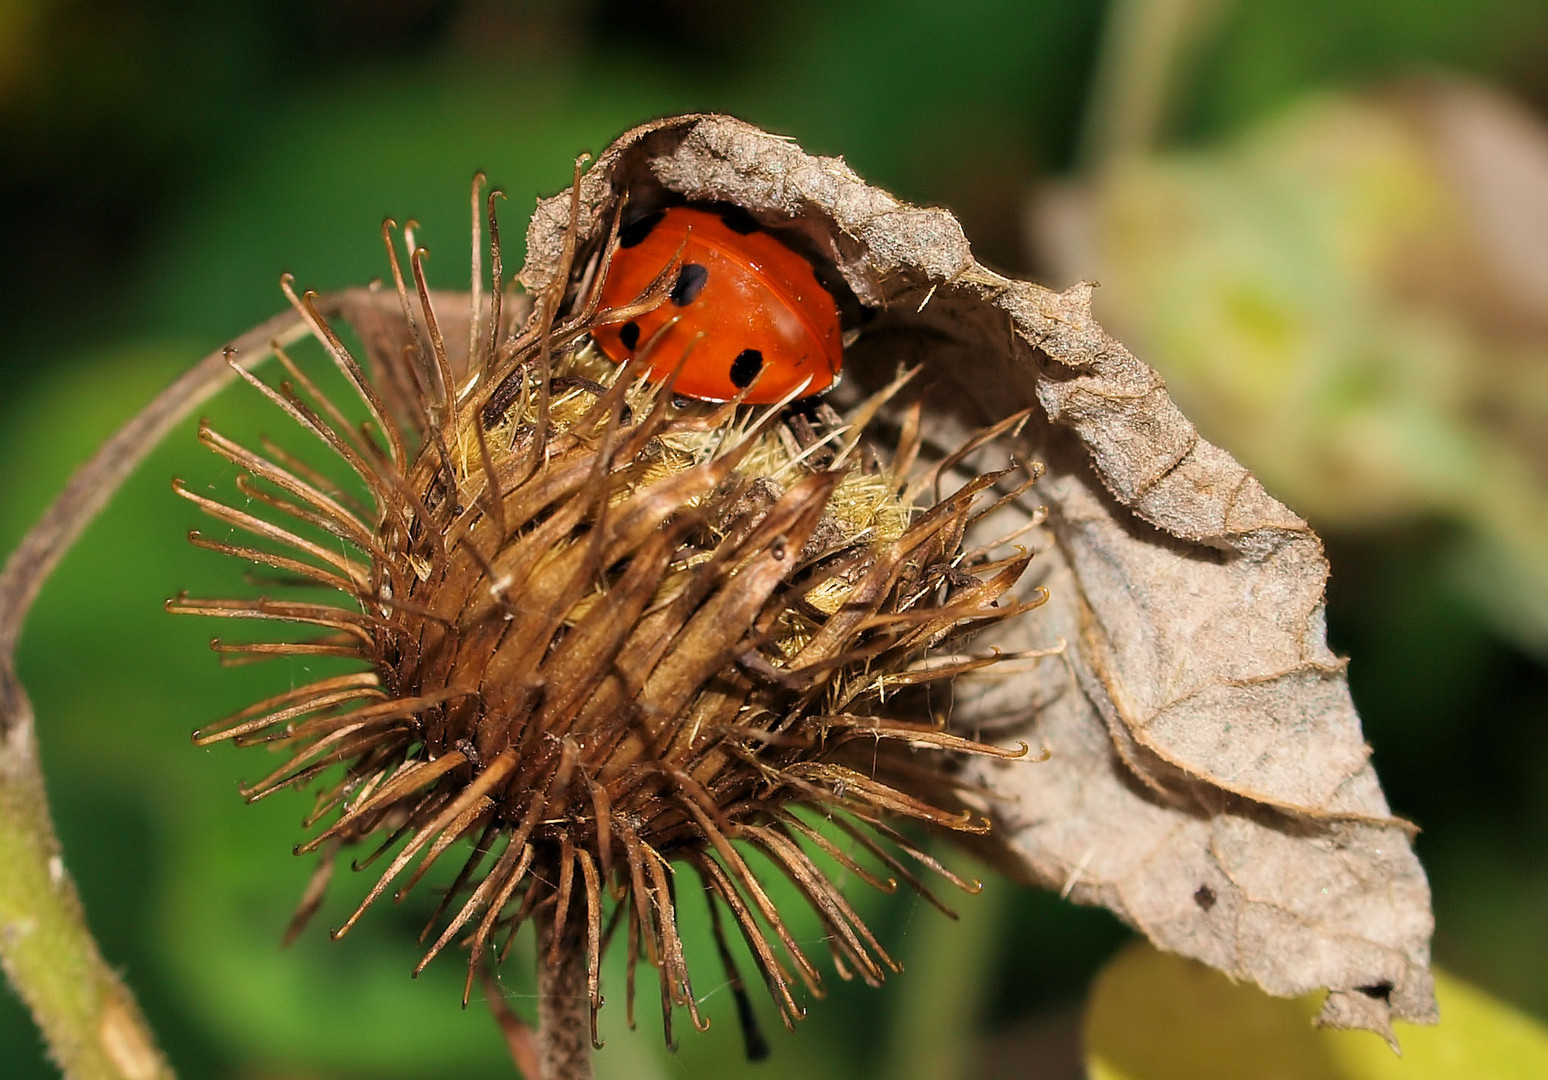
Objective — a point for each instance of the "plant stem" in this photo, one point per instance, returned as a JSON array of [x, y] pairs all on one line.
[[88, 1017], [936, 1031], [1146, 48], [564, 1004]]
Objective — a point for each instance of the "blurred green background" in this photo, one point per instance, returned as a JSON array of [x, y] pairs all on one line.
[[164, 160]]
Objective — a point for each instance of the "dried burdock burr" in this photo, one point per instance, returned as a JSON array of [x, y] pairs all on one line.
[[610, 639]]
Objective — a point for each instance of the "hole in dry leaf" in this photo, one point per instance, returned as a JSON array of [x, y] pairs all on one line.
[[1381, 991]]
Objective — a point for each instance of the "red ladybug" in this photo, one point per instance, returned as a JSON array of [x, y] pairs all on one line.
[[743, 306]]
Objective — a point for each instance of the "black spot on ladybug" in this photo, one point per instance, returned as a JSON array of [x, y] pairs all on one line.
[[634, 233], [739, 220], [745, 368], [1204, 897], [629, 334], [690, 283]]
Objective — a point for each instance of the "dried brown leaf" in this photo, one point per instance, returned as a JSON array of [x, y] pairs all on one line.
[[1208, 782]]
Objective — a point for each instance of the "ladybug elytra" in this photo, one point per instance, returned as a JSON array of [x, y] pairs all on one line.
[[747, 310]]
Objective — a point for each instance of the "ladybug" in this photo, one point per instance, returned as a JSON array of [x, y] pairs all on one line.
[[743, 307]]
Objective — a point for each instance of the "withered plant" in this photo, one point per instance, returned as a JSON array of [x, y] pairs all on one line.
[[608, 637], [605, 634]]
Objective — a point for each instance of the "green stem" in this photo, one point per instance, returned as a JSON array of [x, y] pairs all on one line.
[[937, 1025], [88, 1017], [1146, 47]]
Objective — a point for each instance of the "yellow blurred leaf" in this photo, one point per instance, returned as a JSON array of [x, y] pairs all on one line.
[[1155, 1016]]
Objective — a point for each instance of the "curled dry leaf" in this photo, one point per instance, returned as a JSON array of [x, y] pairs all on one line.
[[1208, 782], [1353, 294]]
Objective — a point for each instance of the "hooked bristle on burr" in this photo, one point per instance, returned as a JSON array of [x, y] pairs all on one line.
[[605, 635]]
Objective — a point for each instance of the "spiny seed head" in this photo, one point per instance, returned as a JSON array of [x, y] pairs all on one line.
[[604, 635]]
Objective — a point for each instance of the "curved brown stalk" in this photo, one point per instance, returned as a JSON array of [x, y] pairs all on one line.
[[88, 1017]]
